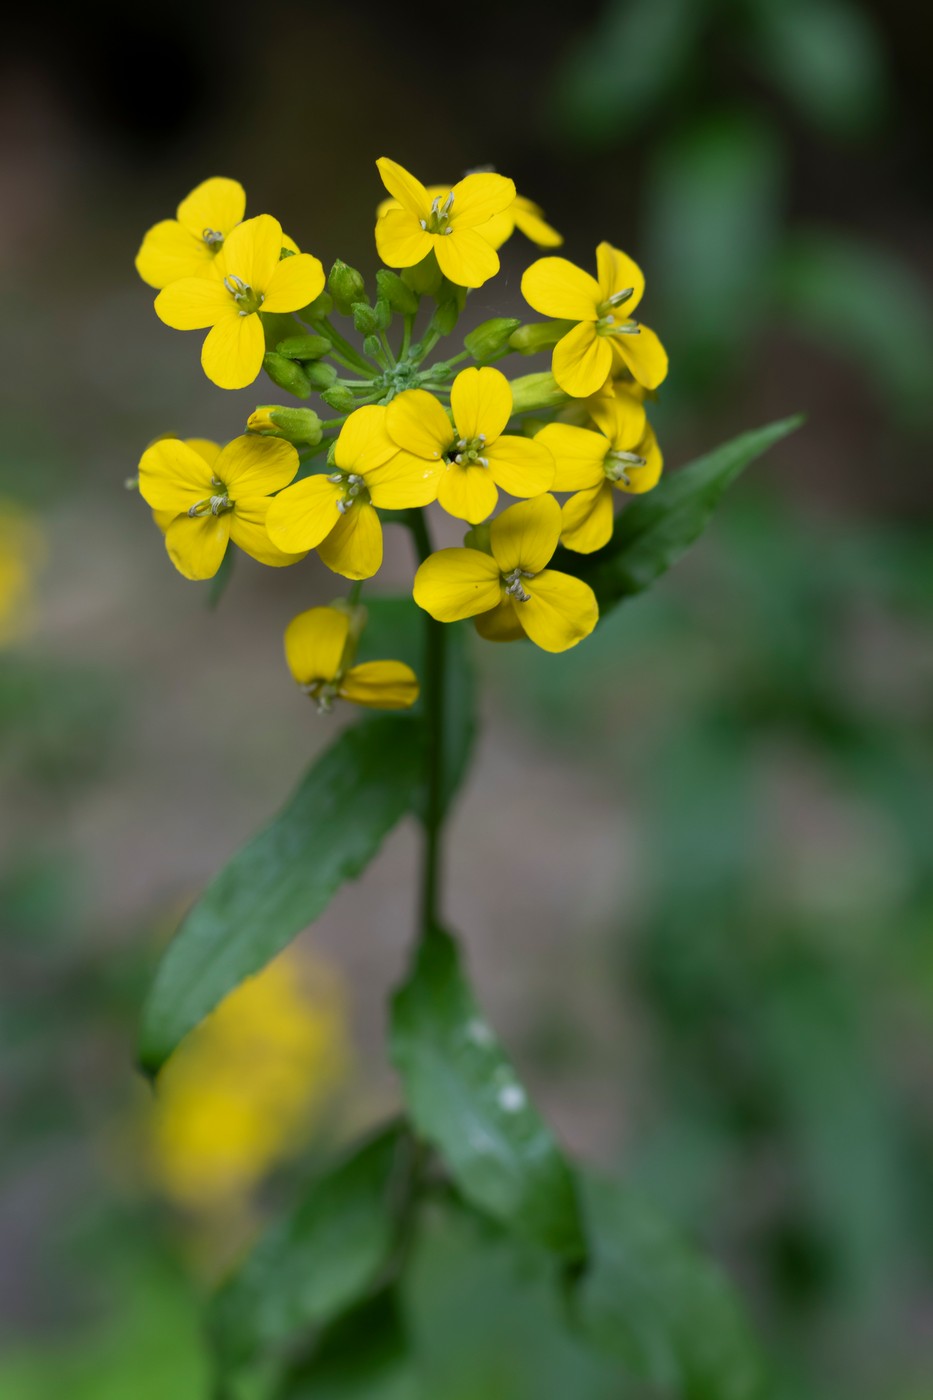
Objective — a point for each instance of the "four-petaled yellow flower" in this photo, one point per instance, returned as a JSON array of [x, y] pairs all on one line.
[[623, 455], [522, 214], [335, 512], [602, 307], [319, 648], [511, 591], [188, 246], [474, 455], [215, 495], [450, 224], [253, 278]]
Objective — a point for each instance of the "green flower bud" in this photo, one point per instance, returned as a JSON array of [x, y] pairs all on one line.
[[491, 339], [286, 374], [445, 317], [303, 347], [319, 375], [533, 391], [346, 286], [372, 346], [539, 335], [297, 425], [383, 313], [365, 318], [399, 296], [316, 309], [339, 398]]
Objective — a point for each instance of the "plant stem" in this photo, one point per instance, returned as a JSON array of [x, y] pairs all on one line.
[[435, 668]]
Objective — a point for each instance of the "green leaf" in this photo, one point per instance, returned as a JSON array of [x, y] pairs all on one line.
[[464, 1098], [649, 1299], [363, 1356], [322, 1258], [328, 831], [656, 529]]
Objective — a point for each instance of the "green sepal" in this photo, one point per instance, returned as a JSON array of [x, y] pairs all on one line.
[[304, 347], [400, 297], [539, 335], [535, 391], [320, 375], [491, 339], [365, 317], [286, 374]]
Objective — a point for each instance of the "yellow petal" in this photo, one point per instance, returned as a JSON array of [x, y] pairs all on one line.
[[400, 239], [251, 251], [364, 443], [646, 478], [529, 219], [643, 355], [248, 530], [560, 612], [468, 493], [231, 355], [301, 515], [204, 447], [164, 518], [354, 546], [559, 288], [501, 624], [256, 466], [478, 197], [417, 422], [581, 361], [218, 204], [404, 481], [194, 303], [481, 402], [525, 536], [168, 253], [587, 519], [616, 272], [173, 476], [314, 643], [522, 466], [409, 192], [456, 583], [465, 258], [294, 283], [622, 420], [498, 229], [382, 685], [578, 456], [196, 545]]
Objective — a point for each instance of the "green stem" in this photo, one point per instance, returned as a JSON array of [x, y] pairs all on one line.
[[346, 349], [406, 336], [435, 668]]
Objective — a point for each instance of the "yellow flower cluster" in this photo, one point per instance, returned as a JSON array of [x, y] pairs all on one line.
[[409, 432]]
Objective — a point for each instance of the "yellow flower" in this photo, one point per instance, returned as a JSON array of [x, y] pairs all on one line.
[[188, 246], [623, 455], [205, 496], [335, 512], [252, 278], [449, 224], [243, 1090], [511, 591], [474, 456], [22, 552], [583, 358], [319, 648], [522, 214]]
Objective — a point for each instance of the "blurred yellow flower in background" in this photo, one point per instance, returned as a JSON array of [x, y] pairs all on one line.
[[246, 1088], [22, 554]]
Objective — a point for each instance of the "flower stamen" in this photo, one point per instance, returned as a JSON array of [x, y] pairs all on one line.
[[513, 585]]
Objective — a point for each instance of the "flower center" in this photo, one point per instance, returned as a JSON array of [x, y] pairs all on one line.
[[440, 216], [213, 239], [513, 585], [246, 299], [323, 693], [354, 490], [216, 504], [617, 465], [469, 454]]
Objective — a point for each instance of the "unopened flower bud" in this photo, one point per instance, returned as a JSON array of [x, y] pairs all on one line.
[[296, 425], [490, 339], [383, 313], [286, 374], [539, 335], [320, 375], [339, 398], [303, 347], [532, 391], [445, 317], [372, 346], [365, 318], [346, 286], [399, 296]]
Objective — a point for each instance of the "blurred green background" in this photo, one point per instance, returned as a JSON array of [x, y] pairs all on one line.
[[693, 865]]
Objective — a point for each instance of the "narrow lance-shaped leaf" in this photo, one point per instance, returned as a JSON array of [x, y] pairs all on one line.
[[464, 1098], [322, 1258], [656, 529], [327, 832]]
